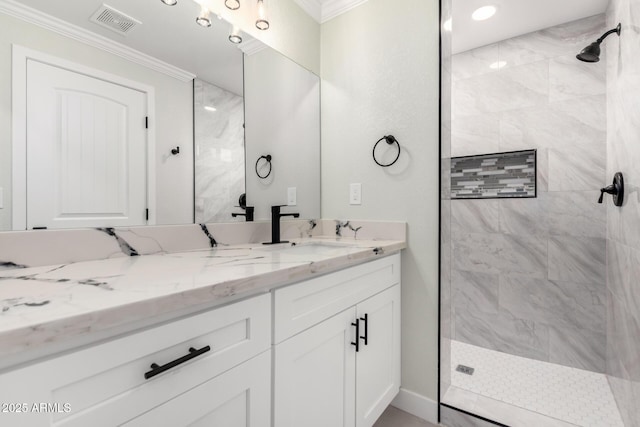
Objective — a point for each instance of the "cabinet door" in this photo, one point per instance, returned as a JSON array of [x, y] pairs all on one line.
[[240, 397], [378, 362], [315, 376]]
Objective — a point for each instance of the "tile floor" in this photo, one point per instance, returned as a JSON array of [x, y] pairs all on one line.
[[394, 417], [570, 395]]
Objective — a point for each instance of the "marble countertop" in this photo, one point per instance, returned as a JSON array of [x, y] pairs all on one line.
[[49, 304]]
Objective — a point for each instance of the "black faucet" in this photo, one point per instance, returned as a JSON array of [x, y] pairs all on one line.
[[275, 224], [248, 214]]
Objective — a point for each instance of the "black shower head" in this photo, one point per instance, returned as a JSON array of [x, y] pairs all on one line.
[[591, 53]]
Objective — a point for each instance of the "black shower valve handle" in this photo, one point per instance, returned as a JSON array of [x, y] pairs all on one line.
[[616, 189], [610, 189]]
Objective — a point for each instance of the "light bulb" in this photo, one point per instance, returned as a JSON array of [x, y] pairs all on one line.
[[262, 23], [234, 36], [485, 12], [232, 4], [203, 19]]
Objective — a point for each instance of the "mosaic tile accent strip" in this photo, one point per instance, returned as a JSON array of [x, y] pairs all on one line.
[[491, 176]]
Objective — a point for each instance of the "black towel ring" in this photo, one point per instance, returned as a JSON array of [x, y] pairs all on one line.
[[268, 159], [390, 139]]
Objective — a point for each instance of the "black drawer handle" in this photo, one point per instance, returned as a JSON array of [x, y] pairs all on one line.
[[365, 319], [357, 342], [156, 369]]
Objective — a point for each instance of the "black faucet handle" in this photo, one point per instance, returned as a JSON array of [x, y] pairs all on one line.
[[248, 213]]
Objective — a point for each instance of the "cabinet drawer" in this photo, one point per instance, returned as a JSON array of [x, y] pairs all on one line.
[[240, 397], [105, 385], [302, 305]]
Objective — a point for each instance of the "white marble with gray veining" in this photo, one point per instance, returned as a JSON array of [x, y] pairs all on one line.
[[577, 259], [475, 134], [127, 275], [529, 273], [623, 223], [503, 332]]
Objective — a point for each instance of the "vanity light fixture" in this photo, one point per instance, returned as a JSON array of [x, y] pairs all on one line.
[[234, 36], [210, 108], [232, 4], [262, 23], [204, 20], [498, 65], [170, 2], [484, 12]]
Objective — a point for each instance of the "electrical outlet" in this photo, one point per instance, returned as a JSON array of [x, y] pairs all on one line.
[[292, 196], [355, 194]]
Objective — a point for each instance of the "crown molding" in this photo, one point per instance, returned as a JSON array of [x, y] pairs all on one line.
[[312, 7], [66, 29], [333, 8], [251, 46]]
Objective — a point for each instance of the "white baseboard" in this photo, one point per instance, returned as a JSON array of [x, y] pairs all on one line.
[[417, 405]]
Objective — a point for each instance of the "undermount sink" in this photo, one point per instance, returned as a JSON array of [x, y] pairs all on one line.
[[311, 248]]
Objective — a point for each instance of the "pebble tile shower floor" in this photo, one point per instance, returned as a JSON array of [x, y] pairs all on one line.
[[576, 396]]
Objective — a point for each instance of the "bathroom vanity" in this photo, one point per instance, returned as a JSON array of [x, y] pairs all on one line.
[[241, 335]]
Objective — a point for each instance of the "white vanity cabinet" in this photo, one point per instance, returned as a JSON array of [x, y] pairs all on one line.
[[321, 378], [287, 358], [227, 376]]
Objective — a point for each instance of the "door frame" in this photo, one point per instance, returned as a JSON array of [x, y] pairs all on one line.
[[20, 56]]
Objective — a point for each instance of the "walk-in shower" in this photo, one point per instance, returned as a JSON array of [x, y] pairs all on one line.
[[531, 329]]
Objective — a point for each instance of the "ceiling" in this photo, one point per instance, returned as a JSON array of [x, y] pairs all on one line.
[[514, 18], [168, 33]]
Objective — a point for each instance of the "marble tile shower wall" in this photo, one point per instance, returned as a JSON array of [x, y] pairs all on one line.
[[445, 204], [528, 275], [219, 164], [623, 223]]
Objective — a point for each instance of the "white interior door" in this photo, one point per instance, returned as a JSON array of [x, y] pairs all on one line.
[[86, 150]]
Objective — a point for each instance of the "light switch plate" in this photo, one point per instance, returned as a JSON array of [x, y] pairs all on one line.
[[292, 197], [355, 194]]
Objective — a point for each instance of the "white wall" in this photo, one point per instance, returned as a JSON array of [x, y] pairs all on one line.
[[173, 119], [282, 118], [380, 76]]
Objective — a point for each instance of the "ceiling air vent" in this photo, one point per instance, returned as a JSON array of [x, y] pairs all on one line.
[[114, 20]]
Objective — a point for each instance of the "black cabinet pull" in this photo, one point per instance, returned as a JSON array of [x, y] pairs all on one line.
[[156, 369], [357, 343], [365, 319]]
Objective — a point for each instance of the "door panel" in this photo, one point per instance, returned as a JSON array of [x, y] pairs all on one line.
[[378, 362], [315, 374], [86, 150]]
